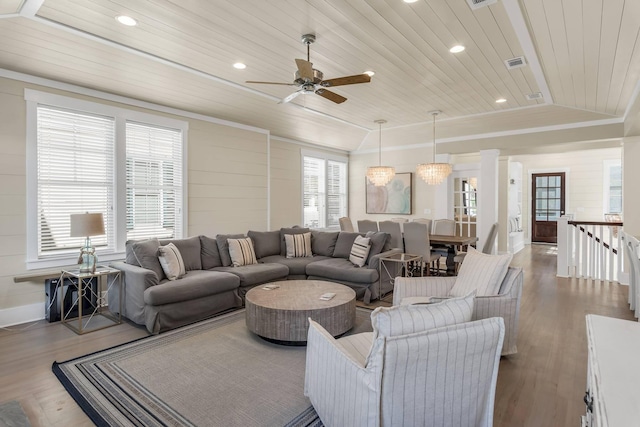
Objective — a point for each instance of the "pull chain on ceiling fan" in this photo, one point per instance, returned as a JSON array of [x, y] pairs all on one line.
[[309, 80]]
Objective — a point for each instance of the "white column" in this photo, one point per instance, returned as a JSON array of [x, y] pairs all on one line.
[[487, 193]]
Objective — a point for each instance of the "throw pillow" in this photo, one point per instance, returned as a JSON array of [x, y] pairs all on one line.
[[189, 249], [360, 251], [171, 261], [409, 319], [241, 252], [482, 273], [144, 253], [265, 243], [209, 253], [298, 245], [323, 242], [293, 230], [223, 247], [344, 244], [378, 240]]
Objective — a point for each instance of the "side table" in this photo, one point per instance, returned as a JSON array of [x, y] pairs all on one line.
[[92, 295], [397, 260]]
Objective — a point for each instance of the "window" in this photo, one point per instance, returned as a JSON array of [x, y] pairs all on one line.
[[88, 157], [612, 181], [324, 185]]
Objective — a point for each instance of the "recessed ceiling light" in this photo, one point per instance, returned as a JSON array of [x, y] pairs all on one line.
[[500, 100], [457, 48], [239, 66], [126, 20], [369, 73], [410, 1]]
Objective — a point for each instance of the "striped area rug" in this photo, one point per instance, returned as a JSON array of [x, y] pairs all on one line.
[[212, 373]]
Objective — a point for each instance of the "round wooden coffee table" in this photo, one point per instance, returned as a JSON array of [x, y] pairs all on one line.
[[281, 314]]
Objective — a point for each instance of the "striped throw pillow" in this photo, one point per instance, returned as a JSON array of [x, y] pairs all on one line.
[[241, 252], [171, 261], [298, 245], [360, 251]]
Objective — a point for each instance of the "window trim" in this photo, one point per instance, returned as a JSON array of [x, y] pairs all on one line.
[[121, 115], [326, 157]]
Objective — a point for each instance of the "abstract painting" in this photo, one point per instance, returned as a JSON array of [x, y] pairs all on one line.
[[393, 198]]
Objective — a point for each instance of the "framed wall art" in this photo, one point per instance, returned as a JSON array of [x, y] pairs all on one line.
[[393, 198]]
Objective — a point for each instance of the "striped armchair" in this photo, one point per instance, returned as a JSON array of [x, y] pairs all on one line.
[[411, 290], [439, 377]]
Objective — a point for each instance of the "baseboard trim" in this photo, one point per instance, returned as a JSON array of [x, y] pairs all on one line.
[[22, 314]]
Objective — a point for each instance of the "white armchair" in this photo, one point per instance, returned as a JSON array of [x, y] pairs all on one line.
[[438, 377], [506, 304]]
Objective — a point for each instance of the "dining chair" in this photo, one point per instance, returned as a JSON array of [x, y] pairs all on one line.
[[346, 224], [487, 248], [365, 225], [443, 227], [395, 232], [416, 242], [424, 221]]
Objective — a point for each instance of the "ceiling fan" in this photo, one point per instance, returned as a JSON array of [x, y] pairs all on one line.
[[309, 80]]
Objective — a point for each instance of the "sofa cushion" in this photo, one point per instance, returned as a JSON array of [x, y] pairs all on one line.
[[297, 266], [209, 253], [482, 273], [323, 242], [195, 284], [298, 245], [409, 319], [292, 230], [378, 240], [360, 251], [144, 253], [257, 274], [341, 269], [241, 252], [171, 261], [189, 249], [265, 243], [344, 244], [223, 247]]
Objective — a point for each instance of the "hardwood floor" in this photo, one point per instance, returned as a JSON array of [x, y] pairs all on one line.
[[542, 385]]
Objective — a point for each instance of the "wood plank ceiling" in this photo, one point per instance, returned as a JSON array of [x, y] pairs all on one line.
[[582, 55]]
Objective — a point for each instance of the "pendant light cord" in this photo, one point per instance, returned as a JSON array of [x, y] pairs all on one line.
[[434, 136], [380, 144]]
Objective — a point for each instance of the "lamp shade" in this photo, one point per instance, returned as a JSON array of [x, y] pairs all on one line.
[[87, 224]]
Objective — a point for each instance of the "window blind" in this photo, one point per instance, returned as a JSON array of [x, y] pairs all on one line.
[[75, 174], [154, 181], [336, 192], [313, 197]]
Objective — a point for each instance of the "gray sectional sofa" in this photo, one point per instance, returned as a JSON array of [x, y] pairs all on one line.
[[212, 284]]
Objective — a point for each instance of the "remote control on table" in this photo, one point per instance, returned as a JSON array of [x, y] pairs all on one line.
[[327, 296]]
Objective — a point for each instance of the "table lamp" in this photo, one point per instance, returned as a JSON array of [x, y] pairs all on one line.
[[87, 225]]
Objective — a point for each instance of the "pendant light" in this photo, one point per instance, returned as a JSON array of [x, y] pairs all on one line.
[[380, 175], [434, 173]]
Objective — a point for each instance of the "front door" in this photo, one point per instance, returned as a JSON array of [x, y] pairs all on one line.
[[547, 191]]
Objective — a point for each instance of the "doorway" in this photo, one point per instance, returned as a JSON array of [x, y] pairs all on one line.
[[548, 201]]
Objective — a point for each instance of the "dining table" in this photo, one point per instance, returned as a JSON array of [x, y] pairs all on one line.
[[453, 243]]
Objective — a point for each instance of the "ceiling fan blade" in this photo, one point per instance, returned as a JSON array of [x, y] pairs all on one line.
[[331, 96], [271, 83], [348, 80], [291, 97], [305, 68]]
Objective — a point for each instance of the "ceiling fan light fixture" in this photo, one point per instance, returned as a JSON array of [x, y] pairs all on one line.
[[434, 173], [380, 175], [126, 20]]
